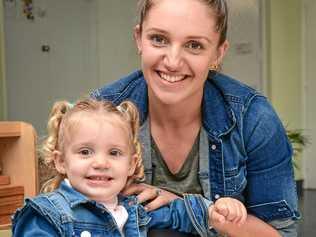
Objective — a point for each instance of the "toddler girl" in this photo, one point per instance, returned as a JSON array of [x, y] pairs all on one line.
[[94, 148]]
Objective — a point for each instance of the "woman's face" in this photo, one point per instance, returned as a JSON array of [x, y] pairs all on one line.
[[178, 44]]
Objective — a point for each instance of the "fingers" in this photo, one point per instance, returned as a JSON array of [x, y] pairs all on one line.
[[223, 208], [215, 217], [146, 193], [232, 210], [163, 197], [244, 215], [134, 189]]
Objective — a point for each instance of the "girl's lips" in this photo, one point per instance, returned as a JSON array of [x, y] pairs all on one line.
[[171, 78]]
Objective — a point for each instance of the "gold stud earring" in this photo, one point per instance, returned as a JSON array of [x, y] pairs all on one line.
[[214, 67]]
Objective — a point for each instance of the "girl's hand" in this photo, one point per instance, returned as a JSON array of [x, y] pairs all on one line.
[[227, 211], [155, 197]]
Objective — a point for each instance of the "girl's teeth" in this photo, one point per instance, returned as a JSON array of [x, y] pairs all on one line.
[[100, 178]]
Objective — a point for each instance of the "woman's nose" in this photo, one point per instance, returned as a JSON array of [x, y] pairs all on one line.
[[173, 58]]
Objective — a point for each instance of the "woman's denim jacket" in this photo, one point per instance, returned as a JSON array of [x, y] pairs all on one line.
[[66, 212], [250, 157]]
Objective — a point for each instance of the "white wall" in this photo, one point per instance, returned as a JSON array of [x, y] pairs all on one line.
[[116, 47], [35, 79], [244, 60], [91, 44]]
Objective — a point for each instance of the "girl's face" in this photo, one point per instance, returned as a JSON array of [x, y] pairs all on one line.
[[97, 158], [178, 43]]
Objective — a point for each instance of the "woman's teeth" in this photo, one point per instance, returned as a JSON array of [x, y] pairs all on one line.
[[171, 78]]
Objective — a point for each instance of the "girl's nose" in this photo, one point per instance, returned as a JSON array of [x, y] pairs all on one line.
[[101, 162], [173, 58]]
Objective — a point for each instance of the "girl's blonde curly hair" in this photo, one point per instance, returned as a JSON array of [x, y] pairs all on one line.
[[60, 121]]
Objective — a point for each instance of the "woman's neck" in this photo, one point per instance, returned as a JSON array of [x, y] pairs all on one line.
[[175, 115]]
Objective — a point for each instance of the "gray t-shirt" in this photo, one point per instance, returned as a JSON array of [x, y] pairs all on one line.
[[186, 180]]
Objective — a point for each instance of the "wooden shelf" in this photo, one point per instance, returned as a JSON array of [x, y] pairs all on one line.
[[4, 180], [10, 129], [18, 177]]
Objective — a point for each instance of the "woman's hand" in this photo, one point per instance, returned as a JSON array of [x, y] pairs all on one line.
[[155, 197]]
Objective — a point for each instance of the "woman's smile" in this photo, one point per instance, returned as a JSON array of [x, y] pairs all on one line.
[[172, 78]]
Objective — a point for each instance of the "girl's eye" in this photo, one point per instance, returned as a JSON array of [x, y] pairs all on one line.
[[115, 152], [194, 46], [85, 152], [158, 40]]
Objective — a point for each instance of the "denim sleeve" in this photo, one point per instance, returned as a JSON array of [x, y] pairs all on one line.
[[271, 192], [28, 222], [188, 215]]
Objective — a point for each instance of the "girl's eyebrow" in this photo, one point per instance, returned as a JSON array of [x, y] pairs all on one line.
[[83, 144]]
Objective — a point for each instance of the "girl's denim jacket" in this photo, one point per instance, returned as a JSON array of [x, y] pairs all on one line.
[[66, 212], [249, 156]]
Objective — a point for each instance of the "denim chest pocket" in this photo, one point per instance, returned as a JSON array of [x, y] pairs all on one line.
[[235, 181], [273, 211], [85, 229]]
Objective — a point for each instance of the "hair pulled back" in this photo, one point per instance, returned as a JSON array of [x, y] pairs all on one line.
[[218, 7]]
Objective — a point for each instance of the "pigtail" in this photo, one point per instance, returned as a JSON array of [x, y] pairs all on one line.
[[131, 113], [51, 143]]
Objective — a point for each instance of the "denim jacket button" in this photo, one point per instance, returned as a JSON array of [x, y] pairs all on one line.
[[85, 234], [213, 147], [217, 196]]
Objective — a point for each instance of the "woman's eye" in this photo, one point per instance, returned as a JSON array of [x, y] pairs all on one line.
[[158, 40], [85, 152], [115, 152], [194, 46]]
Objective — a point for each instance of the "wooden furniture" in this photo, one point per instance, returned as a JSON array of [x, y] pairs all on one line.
[[18, 162]]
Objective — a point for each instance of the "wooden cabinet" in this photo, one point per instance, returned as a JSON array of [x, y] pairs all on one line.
[[18, 175]]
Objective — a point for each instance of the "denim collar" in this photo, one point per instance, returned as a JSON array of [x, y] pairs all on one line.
[[218, 116], [75, 198]]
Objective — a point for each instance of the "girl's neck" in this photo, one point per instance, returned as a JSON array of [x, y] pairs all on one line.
[[111, 203]]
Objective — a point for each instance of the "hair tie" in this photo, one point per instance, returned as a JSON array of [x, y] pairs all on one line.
[[71, 105], [121, 109]]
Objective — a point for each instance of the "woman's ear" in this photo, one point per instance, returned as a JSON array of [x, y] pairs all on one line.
[[59, 162], [132, 166], [137, 36], [222, 49]]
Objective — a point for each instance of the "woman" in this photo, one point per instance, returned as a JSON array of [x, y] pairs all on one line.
[[202, 131]]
